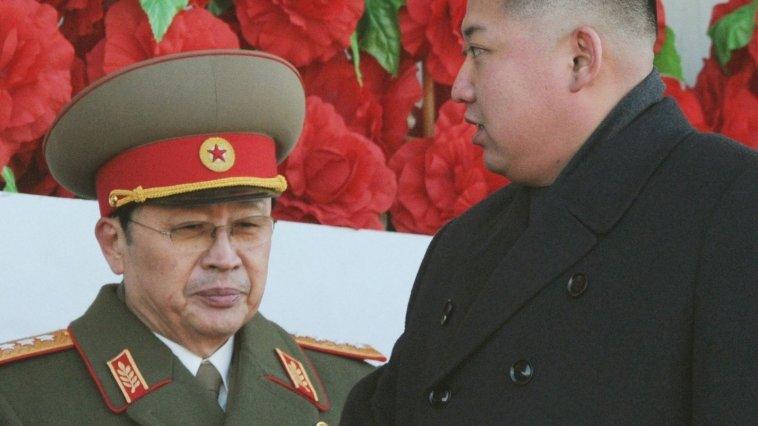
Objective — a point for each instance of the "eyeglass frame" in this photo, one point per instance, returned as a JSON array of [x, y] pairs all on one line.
[[213, 233]]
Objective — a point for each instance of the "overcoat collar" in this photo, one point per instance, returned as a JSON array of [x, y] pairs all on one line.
[[612, 167], [258, 385], [589, 197]]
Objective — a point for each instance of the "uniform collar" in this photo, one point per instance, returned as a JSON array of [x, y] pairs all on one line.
[[221, 359], [167, 391]]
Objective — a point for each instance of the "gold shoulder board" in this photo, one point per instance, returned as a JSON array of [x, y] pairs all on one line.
[[35, 346], [340, 349]]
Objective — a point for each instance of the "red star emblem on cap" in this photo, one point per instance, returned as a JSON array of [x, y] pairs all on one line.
[[217, 153]]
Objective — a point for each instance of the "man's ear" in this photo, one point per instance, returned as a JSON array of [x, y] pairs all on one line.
[[588, 57], [112, 240]]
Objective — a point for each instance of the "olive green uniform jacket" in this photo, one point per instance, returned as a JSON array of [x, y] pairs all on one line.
[[73, 383]]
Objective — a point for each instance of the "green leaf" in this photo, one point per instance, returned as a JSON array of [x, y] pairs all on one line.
[[10, 180], [356, 53], [219, 7], [379, 33], [668, 61], [398, 4], [733, 31], [161, 13]]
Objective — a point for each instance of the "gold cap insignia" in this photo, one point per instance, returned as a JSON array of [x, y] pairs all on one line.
[[217, 154]]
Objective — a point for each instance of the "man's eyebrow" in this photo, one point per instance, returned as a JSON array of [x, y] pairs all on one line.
[[469, 30]]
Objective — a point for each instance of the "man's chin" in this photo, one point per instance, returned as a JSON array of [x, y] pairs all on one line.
[[213, 322], [493, 164]]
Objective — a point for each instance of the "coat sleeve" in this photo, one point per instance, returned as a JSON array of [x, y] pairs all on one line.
[[372, 400], [725, 326]]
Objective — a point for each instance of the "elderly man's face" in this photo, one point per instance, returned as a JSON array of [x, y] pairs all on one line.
[[196, 296], [512, 81]]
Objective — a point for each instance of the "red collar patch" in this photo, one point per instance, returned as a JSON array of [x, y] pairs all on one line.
[[298, 376], [128, 377]]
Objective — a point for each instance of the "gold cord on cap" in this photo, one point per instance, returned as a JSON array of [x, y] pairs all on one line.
[[119, 197]]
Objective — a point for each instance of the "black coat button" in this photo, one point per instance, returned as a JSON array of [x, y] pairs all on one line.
[[447, 311], [521, 372], [439, 397], [577, 285]]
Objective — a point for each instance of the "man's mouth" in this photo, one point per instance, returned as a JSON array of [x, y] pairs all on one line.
[[221, 297], [480, 129]]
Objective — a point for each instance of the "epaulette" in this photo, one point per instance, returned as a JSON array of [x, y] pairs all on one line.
[[35, 346], [344, 350]]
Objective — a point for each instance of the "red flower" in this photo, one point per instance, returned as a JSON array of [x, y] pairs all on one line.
[[729, 95], [688, 102], [299, 31], [441, 177], [80, 17], [739, 114], [710, 90], [661, 15], [431, 29], [730, 102], [35, 75], [33, 176], [722, 9], [336, 176], [78, 76], [379, 109], [129, 39]]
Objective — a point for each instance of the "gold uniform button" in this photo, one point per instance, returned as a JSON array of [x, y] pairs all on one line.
[[322, 424]]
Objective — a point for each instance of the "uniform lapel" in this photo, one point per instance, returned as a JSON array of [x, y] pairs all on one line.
[[182, 402], [259, 384], [168, 393], [585, 202]]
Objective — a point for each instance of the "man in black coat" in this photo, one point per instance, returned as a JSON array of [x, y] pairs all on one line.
[[616, 280]]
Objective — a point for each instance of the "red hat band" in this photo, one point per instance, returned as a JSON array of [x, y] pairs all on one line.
[[185, 164]]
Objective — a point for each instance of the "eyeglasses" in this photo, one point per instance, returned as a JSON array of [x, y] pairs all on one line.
[[193, 237]]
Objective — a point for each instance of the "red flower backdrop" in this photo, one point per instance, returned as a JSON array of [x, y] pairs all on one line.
[[440, 177], [370, 155], [728, 84], [335, 175], [431, 31], [301, 31], [35, 75], [379, 108], [129, 38]]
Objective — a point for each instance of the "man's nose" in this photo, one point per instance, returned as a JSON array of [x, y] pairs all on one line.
[[463, 90], [221, 254]]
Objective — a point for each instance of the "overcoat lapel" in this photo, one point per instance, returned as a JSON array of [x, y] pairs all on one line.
[[578, 207], [536, 257], [172, 396]]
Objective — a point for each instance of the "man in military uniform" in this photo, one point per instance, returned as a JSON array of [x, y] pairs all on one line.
[[181, 153]]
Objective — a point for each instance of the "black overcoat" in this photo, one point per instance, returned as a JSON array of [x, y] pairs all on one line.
[[630, 298]]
